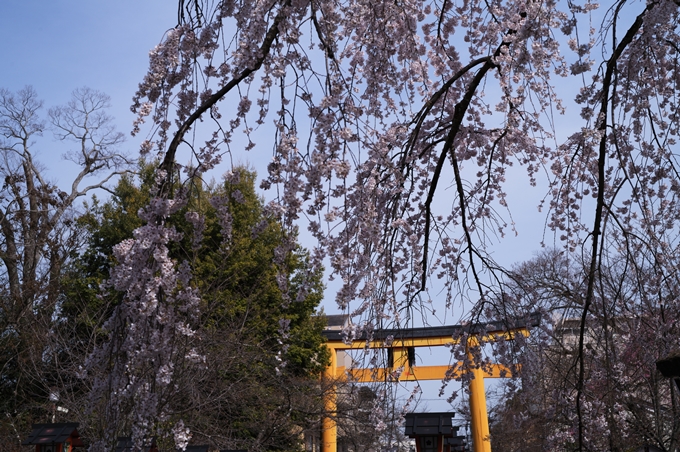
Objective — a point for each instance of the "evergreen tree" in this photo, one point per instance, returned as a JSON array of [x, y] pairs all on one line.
[[262, 345]]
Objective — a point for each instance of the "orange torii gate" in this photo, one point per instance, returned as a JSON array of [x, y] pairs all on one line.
[[402, 355]]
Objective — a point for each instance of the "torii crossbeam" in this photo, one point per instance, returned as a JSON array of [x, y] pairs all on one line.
[[402, 351]]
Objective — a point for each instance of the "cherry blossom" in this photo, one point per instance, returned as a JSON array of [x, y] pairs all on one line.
[[393, 127]]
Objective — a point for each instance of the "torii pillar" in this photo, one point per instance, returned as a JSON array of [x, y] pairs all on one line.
[[402, 345]]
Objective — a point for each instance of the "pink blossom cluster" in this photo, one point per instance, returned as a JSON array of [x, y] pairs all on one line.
[[150, 333]]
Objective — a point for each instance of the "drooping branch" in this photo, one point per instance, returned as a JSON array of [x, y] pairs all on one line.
[[450, 151], [600, 206], [169, 159]]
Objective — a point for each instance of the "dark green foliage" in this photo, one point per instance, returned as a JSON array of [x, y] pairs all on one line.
[[244, 396]]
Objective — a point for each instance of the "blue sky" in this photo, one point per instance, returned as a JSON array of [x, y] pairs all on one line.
[[59, 45]]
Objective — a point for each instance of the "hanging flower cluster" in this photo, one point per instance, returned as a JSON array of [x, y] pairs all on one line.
[[150, 333], [394, 128]]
